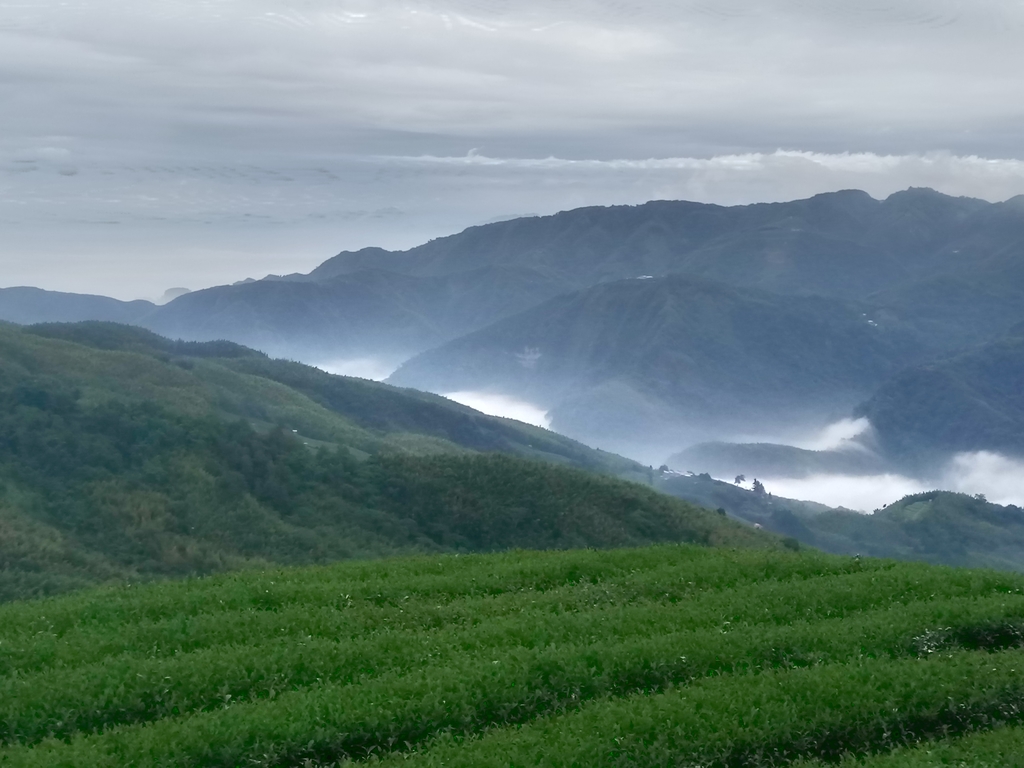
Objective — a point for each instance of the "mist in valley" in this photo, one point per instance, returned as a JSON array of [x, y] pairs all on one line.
[[999, 478], [503, 405], [373, 368]]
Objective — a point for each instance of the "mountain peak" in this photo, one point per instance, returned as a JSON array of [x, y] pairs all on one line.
[[927, 194], [845, 195]]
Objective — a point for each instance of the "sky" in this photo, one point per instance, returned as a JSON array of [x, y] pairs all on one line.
[[150, 145]]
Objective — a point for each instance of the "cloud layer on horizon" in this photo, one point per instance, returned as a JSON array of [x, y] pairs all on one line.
[[232, 136]]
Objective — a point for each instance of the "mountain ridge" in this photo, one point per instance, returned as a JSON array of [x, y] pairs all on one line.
[[843, 245], [692, 350]]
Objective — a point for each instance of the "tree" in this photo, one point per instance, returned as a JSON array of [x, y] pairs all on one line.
[[740, 479], [758, 487]]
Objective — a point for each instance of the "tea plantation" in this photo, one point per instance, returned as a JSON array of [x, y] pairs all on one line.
[[672, 655]]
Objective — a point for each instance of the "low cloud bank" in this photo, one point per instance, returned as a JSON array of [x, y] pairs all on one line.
[[130, 230], [361, 367], [999, 478], [502, 405], [839, 434], [862, 493]]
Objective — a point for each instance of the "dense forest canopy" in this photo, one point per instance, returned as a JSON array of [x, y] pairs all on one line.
[[146, 458]]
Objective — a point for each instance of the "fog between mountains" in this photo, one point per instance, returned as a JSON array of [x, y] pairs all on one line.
[[999, 478]]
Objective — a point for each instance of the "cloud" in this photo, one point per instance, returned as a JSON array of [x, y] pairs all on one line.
[[838, 434], [862, 493], [199, 122], [934, 164], [606, 74], [283, 214], [999, 478], [373, 368], [502, 405]]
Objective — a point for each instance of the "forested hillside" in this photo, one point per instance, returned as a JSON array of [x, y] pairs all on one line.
[[133, 457]]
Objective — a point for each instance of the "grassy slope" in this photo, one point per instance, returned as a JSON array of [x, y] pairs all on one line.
[[135, 457], [661, 656]]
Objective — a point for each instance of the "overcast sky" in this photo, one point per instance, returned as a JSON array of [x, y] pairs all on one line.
[[145, 145]]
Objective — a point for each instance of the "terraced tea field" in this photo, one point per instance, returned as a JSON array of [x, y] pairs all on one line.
[[665, 656]]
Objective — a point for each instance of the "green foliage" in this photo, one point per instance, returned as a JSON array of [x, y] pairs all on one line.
[[646, 657], [766, 720], [999, 748], [160, 494]]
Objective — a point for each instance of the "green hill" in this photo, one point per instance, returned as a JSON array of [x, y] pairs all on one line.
[[125, 456], [668, 655]]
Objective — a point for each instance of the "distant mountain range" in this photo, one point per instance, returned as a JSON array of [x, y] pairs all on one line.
[[674, 359], [350, 315], [27, 306], [662, 324]]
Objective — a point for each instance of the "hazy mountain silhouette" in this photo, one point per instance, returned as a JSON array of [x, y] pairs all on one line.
[[969, 402], [836, 244], [911, 257], [26, 306], [366, 313], [657, 359]]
